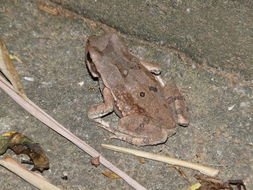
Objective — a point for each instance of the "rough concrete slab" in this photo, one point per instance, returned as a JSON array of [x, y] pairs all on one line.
[[51, 49], [215, 33]]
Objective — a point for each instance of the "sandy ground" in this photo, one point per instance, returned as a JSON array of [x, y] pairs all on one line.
[[205, 48]]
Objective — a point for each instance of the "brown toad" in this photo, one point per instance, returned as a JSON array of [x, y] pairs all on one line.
[[134, 91]]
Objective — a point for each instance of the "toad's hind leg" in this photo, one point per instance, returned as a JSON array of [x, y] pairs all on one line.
[[137, 130], [141, 130], [177, 101]]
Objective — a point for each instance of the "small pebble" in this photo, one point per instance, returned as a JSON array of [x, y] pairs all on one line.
[[81, 83], [64, 176], [231, 107], [31, 79]]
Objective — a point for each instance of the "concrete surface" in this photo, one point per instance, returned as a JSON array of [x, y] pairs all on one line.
[[206, 48]]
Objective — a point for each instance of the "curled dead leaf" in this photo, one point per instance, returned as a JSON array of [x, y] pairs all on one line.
[[20, 144]]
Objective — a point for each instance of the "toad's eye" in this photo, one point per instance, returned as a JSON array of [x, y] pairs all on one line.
[[91, 66]]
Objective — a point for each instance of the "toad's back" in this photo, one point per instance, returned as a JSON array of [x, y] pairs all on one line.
[[135, 90]]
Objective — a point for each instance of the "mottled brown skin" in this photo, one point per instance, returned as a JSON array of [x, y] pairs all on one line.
[[134, 91]]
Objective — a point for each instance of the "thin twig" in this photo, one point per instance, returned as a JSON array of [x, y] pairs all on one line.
[[203, 169]]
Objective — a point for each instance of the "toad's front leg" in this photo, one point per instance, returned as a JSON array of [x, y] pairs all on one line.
[[100, 110], [96, 112]]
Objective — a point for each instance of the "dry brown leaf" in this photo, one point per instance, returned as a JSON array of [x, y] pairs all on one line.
[[95, 161], [141, 160], [49, 9], [182, 173], [210, 183], [20, 144], [7, 68], [91, 88], [110, 175], [56, 10]]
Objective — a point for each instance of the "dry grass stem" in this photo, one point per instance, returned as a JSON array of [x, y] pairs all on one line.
[[203, 169], [31, 177]]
